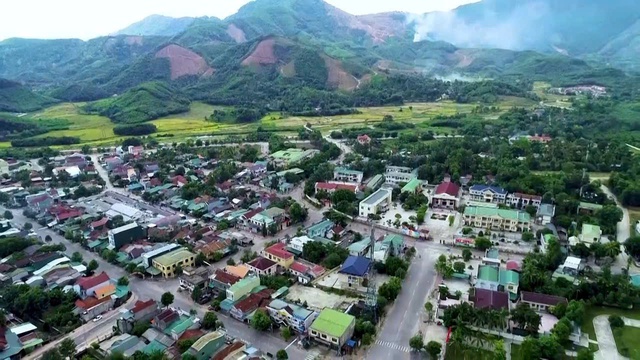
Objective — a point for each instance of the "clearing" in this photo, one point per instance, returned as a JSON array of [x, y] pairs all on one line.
[[593, 311], [627, 341], [562, 101], [318, 299]]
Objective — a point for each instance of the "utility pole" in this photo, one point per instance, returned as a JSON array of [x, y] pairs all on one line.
[[584, 170], [371, 299]]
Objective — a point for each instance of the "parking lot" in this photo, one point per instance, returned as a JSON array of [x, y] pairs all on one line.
[[318, 299]]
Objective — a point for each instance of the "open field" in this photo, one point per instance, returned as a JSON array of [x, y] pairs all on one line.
[[627, 341], [457, 352], [562, 101], [602, 176], [97, 130]]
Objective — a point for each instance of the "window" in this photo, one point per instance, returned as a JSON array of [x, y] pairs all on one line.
[[323, 336]]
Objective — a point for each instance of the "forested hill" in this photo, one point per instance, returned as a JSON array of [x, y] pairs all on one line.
[[307, 50]]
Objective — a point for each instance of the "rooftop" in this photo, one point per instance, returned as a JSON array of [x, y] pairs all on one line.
[[91, 281], [205, 339], [347, 171], [356, 265], [538, 298], [174, 257], [377, 197], [495, 212], [278, 250], [483, 188], [332, 322], [261, 263], [491, 299], [448, 188], [126, 227], [412, 185]]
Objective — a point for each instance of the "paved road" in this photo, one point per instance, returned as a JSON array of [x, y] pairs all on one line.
[[403, 319], [145, 289], [623, 233], [607, 349]]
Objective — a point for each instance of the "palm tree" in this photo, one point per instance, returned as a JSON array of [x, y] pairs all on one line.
[[612, 249]]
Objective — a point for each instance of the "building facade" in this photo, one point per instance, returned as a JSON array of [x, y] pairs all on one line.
[[489, 194], [376, 203], [497, 219]]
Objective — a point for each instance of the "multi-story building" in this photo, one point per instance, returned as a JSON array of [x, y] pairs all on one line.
[[296, 317], [446, 196], [347, 175], [376, 203], [332, 328], [497, 219], [262, 266], [168, 263], [124, 235], [486, 193], [279, 254], [521, 201], [242, 288], [395, 175]]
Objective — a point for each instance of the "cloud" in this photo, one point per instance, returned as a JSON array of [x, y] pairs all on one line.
[[487, 27]]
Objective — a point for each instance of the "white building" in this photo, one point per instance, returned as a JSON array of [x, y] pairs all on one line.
[[521, 201], [297, 243], [347, 175], [375, 203], [489, 194], [395, 175], [127, 212]]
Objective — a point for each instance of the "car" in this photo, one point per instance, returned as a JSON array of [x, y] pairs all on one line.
[[97, 318]]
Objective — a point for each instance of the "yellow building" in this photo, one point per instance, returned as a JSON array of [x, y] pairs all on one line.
[[279, 254], [168, 263]]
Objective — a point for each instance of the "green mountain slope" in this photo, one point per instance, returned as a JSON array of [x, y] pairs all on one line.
[[17, 98], [157, 25], [145, 102]]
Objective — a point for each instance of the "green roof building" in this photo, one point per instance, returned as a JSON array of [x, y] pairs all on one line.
[[496, 219], [292, 155], [332, 328], [242, 288], [491, 277], [413, 186], [205, 347], [168, 263]]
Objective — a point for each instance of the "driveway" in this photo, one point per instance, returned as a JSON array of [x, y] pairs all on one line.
[[607, 349]]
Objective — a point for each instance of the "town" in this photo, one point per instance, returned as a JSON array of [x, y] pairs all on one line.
[[294, 250]]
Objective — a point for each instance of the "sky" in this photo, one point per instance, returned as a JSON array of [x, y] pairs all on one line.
[[86, 19]]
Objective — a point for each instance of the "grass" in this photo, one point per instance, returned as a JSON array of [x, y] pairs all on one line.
[[593, 311], [540, 88], [627, 341], [602, 176], [457, 352]]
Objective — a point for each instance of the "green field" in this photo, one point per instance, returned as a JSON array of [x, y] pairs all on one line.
[[97, 130], [561, 101], [602, 176], [627, 341], [593, 311], [457, 352]]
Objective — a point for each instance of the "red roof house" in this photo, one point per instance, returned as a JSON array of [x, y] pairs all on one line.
[[364, 139], [447, 195], [89, 282]]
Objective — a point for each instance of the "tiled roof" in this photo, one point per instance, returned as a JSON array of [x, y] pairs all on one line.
[[100, 222], [482, 188], [538, 298], [141, 305], [225, 352], [448, 188], [252, 302], [527, 196], [279, 251], [213, 247], [513, 265], [334, 186], [225, 278], [191, 334], [91, 281], [168, 316], [299, 267], [252, 213], [261, 263], [239, 271], [491, 299], [105, 290], [90, 302]]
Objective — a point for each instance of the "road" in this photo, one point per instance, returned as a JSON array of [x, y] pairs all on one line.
[[623, 233], [343, 148], [146, 289], [403, 319]]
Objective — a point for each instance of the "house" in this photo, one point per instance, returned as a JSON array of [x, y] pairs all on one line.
[[279, 254], [235, 350], [490, 299], [164, 319], [376, 203], [243, 308], [320, 229], [91, 306], [39, 203], [496, 219], [498, 279], [590, 233], [148, 257], [291, 156], [240, 271], [363, 139], [337, 231], [375, 182], [168, 263], [414, 186], [331, 187], [86, 286], [332, 328], [545, 214], [144, 310], [347, 175], [298, 318], [194, 278], [99, 224], [395, 243], [521, 201], [486, 193], [356, 268], [124, 235], [541, 302], [297, 243], [396, 175], [263, 266], [446, 196], [589, 208], [242, 288], [207, 345], [127, 212], [221, 281], [305, 272], [359, 248]]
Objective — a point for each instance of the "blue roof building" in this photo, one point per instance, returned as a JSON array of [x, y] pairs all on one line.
[[487, 193], [356, 266]]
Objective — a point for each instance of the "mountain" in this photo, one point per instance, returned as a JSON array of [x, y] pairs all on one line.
[[571, 27], [157, 25], [17, 98]]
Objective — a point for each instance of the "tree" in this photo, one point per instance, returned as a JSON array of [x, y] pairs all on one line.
[[282, 355], [8, 215], [499, 352], [123, 281], [53, 354], [562, 330], [585, 354], [286, 333], [261, 320], [608, 218], [230, 261], [92, 266], [200, 259], [611, 249], [28, 226], [48, 238], [443, 268], [391, 288], [526, 318], [434, 349], [615, 321], [196, 294], [528, 236], [632, 245], [459, 267], [466, 255], [416, 342], [76, 257], [67, 348], [298, 213], [575, 312], [178, 270], [482, 243], [166, 299], [184, 345], [140, 327], [581, 250], [210, 320]]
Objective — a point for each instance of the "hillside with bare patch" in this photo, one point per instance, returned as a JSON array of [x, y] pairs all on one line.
[[379, 27], [338, 76], [184, 62], [236, 33], [263, 54]]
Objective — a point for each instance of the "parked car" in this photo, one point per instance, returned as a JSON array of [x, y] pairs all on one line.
[[97, 318]]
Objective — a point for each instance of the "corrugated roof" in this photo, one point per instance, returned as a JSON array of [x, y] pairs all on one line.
[[332, 322], [539, 298], [496, 212], [356, 265], [204, 340]]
